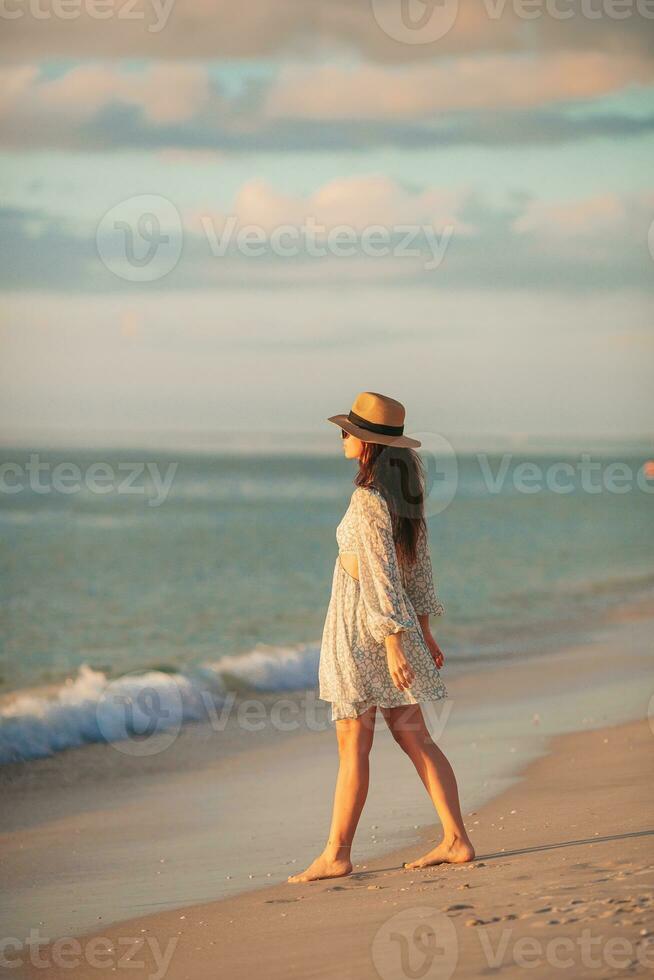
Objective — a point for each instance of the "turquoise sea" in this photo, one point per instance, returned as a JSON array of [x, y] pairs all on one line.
[[218, 570]]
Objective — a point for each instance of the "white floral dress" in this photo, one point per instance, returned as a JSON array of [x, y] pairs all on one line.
[[386, 598]]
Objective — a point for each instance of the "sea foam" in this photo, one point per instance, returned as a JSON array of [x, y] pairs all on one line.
[[92, 707]]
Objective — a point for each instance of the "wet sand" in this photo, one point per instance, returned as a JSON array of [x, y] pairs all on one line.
[[562, 825], [562, 885]]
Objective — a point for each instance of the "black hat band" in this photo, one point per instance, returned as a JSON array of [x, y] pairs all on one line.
[[386, 430]]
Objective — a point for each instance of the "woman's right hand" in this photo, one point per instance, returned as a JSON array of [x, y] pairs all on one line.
[[398, 666]]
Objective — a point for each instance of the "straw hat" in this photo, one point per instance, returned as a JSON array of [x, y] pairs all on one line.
[[376, 418]]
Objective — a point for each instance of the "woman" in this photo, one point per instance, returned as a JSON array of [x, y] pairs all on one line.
[[377, 649]]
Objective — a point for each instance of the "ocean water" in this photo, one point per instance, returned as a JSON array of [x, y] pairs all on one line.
[[206, 572]]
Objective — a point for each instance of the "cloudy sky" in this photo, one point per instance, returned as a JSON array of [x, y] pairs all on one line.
[[235, 217]]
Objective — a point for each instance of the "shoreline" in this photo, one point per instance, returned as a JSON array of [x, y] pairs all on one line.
[[114, 835], [556, 878], [514, 644]]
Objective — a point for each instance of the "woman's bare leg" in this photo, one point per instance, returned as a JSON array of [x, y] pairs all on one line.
[[354, 736], [409, 730]]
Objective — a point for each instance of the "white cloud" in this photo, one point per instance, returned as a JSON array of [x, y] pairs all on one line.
[[483, 82], [357, 201], [167, 93]]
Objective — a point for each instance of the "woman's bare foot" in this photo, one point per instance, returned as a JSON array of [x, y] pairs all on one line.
[[456, 851], [326, 865]]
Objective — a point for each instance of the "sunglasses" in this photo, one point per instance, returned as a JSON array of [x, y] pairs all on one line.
[[344, 434]]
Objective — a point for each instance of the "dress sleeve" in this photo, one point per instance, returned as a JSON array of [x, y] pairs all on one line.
[[380, 582], [419, 582]]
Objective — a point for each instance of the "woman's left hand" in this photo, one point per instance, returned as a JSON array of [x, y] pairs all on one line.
[[435, 650]]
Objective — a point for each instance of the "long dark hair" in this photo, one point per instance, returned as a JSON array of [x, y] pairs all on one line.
[[398, 473]]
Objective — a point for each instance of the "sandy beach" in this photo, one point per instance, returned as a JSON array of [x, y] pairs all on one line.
[[568, 891], [189, 849], [285, 285]]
